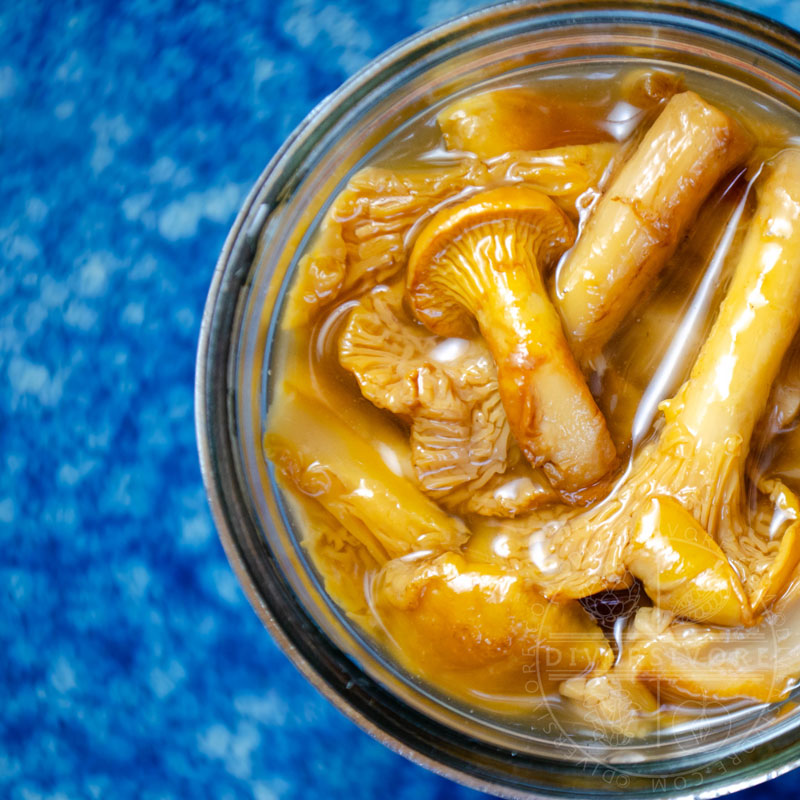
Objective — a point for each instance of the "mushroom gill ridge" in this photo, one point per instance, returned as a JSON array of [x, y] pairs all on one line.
[[446, 391]]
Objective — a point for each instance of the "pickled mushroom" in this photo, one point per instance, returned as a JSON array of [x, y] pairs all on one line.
[[452, 405], [683, 663], [615, 703], [362, 239], [454, 615], [461, 443], [492, 123], [482, 261], [327, 461], [497, 121], [699, 457], [686, 660], [651, 355], [682, 567], [642, 216], [343, 561]]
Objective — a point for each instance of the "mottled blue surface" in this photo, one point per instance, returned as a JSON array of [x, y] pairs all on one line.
[[132, 666]]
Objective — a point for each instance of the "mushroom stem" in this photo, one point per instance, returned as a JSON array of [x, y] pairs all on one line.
[[733, 375], [642, 217], [549, 406], [481, 260]]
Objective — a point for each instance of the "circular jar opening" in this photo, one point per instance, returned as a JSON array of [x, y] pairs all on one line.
[[375, 116]]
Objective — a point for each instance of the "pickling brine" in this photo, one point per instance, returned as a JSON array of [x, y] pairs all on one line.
[[535, 405]]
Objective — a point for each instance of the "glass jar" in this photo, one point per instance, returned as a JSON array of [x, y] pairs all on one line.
[[233, 389]]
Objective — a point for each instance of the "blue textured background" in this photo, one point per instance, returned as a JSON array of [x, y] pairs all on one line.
[[132, 666]]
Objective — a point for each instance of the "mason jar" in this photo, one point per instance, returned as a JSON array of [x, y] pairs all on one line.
[[234, 386]]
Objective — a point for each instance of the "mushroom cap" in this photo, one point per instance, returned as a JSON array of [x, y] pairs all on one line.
[[445, 277]]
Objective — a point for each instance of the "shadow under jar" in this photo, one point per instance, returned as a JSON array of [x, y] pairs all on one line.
[[386, 114]]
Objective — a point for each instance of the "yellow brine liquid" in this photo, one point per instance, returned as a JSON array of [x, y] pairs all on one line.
[[535, 399]]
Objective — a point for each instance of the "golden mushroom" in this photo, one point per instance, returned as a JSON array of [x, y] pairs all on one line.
[[680, 521], [643, 215], [327, 462], [455, 616], [482, 260], [362, 238], [462, 451]]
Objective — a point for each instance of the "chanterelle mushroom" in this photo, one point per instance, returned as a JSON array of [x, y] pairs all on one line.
[[495, 122], [684, 497], [446, 389], [454, 615], [483, 260], [501, 120], [362, 239], [683, 661], [642, 216], [686, 660], [329, 463]]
